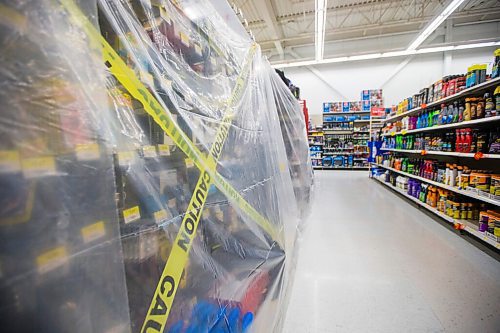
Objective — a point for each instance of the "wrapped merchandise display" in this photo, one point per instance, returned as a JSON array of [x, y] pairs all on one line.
[[154, 170]]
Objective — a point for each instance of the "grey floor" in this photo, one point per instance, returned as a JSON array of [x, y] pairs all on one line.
[[372, 262]]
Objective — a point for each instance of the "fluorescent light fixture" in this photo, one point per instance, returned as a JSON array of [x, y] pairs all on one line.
[[391, 54], [435, 24], [319, 28]]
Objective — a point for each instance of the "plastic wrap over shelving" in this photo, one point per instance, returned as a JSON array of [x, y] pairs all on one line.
[[154, 171]]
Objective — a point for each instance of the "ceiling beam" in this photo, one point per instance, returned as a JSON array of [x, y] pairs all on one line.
[[376, 27], [269, 17], [385, 5]]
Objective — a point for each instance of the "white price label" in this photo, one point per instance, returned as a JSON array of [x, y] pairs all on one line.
[[131, 214], [51, 259], [87, 152], [160, 216], [9, 161], [146, 78], [189, 163], [149, 151], [197, 49], [164, 150], [93, 232], [125, 157], [164, 14], [39, 167], [184, 38]]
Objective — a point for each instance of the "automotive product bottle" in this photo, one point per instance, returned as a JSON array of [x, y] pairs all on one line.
[[467, 141], [460, 111], [467, 111], [458, 141]]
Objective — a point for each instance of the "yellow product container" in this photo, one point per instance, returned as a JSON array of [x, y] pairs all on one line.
[[495, 185]]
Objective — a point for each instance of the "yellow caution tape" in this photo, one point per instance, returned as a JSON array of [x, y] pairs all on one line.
[[163, 298], [163, 117]]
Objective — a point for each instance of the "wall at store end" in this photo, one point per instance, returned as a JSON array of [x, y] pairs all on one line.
[[344, 81]]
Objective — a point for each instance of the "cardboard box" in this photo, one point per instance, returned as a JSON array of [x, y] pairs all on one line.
[[345, 106]]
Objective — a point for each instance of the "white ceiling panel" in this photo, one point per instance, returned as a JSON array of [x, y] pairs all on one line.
[[285, 28]]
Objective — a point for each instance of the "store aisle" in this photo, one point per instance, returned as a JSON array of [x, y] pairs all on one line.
[[372, 262]]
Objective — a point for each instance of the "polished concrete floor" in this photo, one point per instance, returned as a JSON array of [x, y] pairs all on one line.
[[372, 262]]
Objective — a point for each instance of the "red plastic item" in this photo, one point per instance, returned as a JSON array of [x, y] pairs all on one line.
[[305, 110], [467, 141]]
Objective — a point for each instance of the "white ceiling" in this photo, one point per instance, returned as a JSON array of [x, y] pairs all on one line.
[[285, 28]]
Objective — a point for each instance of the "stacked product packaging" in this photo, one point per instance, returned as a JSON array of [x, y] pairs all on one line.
[[463, 140], [154, 170], [346, 128], [454, 84], [482, 182], [369, 99], [486, 105]]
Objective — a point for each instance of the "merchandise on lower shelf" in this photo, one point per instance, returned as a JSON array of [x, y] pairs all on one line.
[[484, 140], [465, 213]]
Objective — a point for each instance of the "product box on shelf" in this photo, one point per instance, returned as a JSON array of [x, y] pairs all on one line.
[[365, 95], [378, 103], [370, 95], [495, 72], [375, 94], [345, 106], [326, 107], [117, 213], [366, 106], [355, 106]]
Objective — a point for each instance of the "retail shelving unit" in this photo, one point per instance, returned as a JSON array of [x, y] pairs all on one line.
[[443, 153], [485, 197], [464, 224], [345, 141], [466, 92], [447, 126], [428, 151], [316, 148]]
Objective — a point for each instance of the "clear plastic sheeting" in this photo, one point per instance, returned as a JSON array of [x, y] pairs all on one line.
[[154, 171]]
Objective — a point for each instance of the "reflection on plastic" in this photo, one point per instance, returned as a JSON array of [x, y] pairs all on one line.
[[106, 166]]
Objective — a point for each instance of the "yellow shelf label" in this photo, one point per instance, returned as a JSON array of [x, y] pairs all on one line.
[[164, 14], [146, 78], [164, 150], [184, 38], [9, 161], [160, 216], [404, 132], [93, 232], [125, 157], [197, 49], [39, 166], [51, 259], [166, 84], [87, 152], [149, 151], [131, 214], [189, 163]]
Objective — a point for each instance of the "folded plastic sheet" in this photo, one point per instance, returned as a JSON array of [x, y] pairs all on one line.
[[154, 173]]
